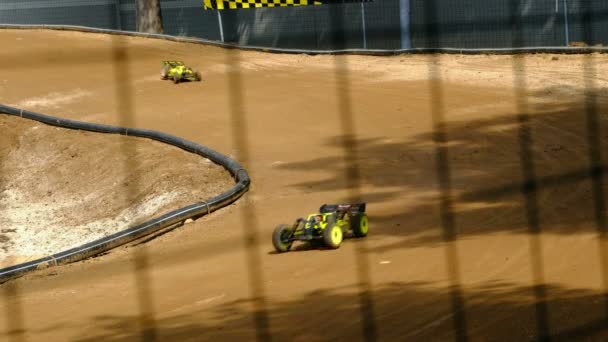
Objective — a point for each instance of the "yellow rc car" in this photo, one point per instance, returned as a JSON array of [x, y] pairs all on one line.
[[178, 72], [329, 226]]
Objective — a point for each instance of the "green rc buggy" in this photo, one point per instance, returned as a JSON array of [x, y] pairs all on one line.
[[178, 72], [329, 226]]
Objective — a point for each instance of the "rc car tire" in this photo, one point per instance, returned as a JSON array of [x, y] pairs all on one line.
[[197, 76], [332, 235], [281, 233], [176, 78], [359, 225], [164, 73]]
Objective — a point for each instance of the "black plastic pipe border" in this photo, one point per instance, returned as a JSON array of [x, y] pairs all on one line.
[[154, 225], [370, 52]]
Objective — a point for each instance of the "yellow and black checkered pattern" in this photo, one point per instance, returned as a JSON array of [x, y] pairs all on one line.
[[235, 4]]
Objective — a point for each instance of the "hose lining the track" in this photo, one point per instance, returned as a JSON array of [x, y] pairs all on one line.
[[154, 225]]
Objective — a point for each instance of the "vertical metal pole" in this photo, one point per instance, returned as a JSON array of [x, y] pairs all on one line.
[[221, 26], [363, 26], [530, 183], [597, 166], [348, 142], [566, 29], [445, 197], [404, 20]]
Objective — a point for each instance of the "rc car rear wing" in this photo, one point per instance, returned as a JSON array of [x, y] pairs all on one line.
[[352, 209], [172, 64]]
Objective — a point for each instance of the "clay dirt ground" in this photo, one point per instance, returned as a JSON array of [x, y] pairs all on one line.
[[63, 188], [318, 129]]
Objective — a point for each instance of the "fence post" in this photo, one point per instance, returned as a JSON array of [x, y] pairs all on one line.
[[221, 26], [404, 19], [363, 26]]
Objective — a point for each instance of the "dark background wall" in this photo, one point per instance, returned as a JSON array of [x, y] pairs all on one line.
[[508, 23], [438, 23]]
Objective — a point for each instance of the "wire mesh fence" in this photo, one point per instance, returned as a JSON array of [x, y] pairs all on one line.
[[387, 24]]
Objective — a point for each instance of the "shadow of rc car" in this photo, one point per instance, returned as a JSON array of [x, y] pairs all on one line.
[[178, 72], [328, 226]]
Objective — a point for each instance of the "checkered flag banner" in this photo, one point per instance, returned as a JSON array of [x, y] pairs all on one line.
[[236, 4]]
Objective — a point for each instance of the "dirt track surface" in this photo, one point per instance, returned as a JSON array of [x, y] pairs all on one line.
[[60, 188], [317, 129]]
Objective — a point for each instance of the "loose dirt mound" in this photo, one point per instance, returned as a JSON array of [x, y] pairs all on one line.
[[61, 188]]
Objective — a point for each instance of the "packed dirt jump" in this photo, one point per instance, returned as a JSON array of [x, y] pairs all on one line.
[[477, 170]]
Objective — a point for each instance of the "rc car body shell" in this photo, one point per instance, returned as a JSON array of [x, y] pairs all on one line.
[[330, 225], [178, 72]]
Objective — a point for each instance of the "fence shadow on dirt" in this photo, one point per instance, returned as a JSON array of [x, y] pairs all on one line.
[[486, 180], [409, 311]]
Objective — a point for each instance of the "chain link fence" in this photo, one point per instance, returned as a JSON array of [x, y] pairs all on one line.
[[382, 24], [386, 24]]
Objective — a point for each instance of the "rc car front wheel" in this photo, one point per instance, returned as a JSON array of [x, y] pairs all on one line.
[[360, 225], [176, 78], [164, 73], [280, 238], [332, 236]]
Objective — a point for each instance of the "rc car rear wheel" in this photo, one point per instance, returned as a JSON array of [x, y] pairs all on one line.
[[332, 235], [197, 76], [280, 238], [359, 225], [176, 78]]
